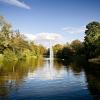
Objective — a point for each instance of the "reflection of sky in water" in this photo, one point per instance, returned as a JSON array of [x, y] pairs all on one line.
[[48, 72], [52, 81], [48, 81]]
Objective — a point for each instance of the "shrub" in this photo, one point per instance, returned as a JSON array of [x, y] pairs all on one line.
[[9, 55]]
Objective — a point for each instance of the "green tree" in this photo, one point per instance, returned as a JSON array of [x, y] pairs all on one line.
[[67, 52], [5, 31], [78, 47], [92, 40], [15, 44], [57, 48]]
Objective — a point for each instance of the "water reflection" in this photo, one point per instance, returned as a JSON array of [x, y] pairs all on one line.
[[46, 80], [93, 79], [12, 74], [48, 72]]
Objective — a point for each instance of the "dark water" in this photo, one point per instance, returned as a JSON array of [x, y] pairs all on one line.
[[45, 80]]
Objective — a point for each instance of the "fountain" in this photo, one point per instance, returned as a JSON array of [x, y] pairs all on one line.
[[49, 73], [51, 51], [50, 38]]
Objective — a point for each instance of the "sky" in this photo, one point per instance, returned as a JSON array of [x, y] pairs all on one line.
[[61, 20]]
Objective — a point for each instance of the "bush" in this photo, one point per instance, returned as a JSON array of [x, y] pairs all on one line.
[[9, 55], [1, 59]]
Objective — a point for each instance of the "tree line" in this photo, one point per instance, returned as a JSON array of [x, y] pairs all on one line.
[[89, 48], [14, 45]]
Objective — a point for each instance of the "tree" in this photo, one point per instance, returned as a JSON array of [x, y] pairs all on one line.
[[92, 40], [15, 43], [78, 47], [57, 48], [67, 52], [5, 31], [64, 52]]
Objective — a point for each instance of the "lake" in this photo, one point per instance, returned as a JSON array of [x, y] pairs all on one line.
[[43, 79]]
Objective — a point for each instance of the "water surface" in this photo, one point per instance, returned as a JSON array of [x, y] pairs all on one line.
[[46, 80]]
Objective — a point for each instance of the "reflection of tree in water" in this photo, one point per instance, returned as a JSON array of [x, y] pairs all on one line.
[[93, 78], [75, 65], [58, 65], [12, 74], [92, 74]]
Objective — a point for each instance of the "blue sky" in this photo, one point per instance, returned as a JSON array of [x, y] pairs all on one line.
[[66, 18]]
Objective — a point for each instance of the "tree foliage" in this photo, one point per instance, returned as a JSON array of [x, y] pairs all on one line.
[[92, 40], [14, 44], [67, 51], [78, 47]]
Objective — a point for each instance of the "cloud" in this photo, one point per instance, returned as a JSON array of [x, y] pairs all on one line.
[[44, 38], [74, 30], [30, 37], [49, 36], [16, 3]]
